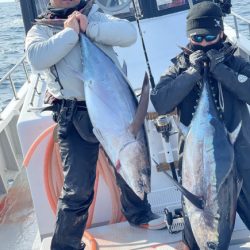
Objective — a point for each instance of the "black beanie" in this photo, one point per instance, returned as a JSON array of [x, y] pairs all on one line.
[[204, 18]]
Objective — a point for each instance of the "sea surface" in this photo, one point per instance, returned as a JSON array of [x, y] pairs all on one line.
[[11, 47], [12, 37]]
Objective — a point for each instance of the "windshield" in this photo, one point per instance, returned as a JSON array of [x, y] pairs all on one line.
[[144, 8], [167, 4], [125, 8]]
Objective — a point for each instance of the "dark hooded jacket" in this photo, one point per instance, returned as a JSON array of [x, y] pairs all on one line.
[[180, 88]]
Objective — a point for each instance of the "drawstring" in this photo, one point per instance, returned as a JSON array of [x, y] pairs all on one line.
[[221, 99]]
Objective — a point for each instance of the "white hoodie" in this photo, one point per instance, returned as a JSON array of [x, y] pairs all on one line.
[[46, 47]]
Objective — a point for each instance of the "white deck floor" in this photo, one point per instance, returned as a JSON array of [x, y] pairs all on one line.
[[18, 225], [121, 236]]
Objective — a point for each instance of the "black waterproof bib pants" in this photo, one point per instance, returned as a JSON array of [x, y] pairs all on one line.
[[79, 152]]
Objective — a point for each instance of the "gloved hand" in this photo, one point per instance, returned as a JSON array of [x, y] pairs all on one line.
[[215, 57], [197, 60]]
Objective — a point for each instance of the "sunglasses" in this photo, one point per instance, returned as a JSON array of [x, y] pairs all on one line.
[[200, 38]]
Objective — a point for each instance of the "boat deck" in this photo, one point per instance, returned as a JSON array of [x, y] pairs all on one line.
[[121, 236], [18, 228], [18, 225]]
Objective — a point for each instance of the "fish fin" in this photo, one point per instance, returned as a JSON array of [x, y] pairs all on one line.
[[233, 135], [194, 199], [125, 68], [98, 135], [239, 185], [183, 129], [141, 109]]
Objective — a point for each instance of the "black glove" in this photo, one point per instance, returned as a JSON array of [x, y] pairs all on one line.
[[215, 57], [197, 60]]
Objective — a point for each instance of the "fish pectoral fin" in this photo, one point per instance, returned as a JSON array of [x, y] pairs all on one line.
[[194, 199], [234, 135], [125, 68], [98, 135], [183, 129], [141, 109]]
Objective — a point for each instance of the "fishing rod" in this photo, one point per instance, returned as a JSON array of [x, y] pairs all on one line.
[[151, 78]]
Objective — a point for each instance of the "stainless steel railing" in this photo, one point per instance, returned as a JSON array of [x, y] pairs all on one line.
[[237, 17], [9, 75], [36, 91]]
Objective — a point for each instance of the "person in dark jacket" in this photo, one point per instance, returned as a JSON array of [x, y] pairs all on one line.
[[180, 86], [49, 52]]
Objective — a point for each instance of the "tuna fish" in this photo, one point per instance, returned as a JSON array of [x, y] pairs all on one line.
[[209, 173], [116, 117], [113, 108]]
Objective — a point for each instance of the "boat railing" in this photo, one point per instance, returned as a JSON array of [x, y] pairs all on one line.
[[8, 77], [236, 18], [10, 148], [35, 91]]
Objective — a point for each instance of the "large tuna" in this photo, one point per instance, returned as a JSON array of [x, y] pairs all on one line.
[[116, 117], [209, 173], [114, 112]]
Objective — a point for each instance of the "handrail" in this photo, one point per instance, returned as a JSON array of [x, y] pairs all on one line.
[[7, 76], [35, 90], [237, 16]]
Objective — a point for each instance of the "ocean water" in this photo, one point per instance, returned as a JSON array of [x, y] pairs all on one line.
[[242, 8], [11, 47], [12, 37]]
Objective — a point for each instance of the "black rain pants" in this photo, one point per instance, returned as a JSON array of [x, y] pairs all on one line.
[[79, 152]]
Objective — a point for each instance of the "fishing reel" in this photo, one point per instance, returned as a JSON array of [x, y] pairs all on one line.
[[164, 126], [225, 6]]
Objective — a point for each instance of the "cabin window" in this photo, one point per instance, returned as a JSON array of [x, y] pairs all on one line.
[[114, 5], [119, 8], [166, 4], [125, 8], [163, 7]]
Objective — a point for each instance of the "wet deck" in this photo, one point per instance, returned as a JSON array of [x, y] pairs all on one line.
[[18, 227], [19, 230], [124, 237]]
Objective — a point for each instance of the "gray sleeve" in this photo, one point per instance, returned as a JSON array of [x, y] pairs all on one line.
[[109, 30], [44, 49], [236, 78], [173, 88]]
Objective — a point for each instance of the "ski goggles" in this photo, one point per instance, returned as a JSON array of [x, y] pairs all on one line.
[[200, 38]]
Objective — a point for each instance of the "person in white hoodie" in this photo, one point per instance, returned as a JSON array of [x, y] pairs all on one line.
[[53, 53]]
